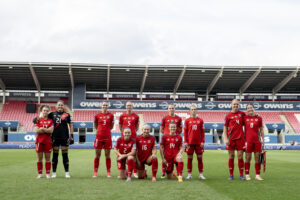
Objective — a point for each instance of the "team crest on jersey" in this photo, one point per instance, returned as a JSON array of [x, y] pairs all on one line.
[[121, 144], [176, 120], [172, 139], [125, 117], [251, 119], [107, 117], [149, 141], [198, 122], [190, 122], [256, 120], [176, 139], [168, 139], [247, 120], [240, 115], [129, 145]]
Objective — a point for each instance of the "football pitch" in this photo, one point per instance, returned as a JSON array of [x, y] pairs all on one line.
[[18, 179]]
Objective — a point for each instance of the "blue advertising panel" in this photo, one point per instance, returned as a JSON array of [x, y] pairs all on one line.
[[291, 138], [83, 124], [9, 123], [274, 126], [213, 126]]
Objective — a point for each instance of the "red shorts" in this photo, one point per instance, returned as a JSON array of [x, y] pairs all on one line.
[[101, 144], [46, 148], [236, 145], [121, 164], [194, 148], [253, 147], [170, 165]]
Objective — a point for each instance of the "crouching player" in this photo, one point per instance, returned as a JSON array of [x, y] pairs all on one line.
[[146, 153], [171, 152], [125, 150], [254, 140]]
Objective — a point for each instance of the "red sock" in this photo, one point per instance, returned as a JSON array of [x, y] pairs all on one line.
[[179, 168], [190, 165], [241, 166], [154, 167], [96, 164], [130, 167], [39, 167], [247, 168], [163, 168], [176, 165], [48, 167], [257, 168], [134, 167], [231, 166], [200, 165], [108, 164]]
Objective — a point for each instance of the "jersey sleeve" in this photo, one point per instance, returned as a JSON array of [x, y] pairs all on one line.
[[137, 121], [51, 123], [163, 122], [226, 121], [37, 124], [96, 119], [117, 146]]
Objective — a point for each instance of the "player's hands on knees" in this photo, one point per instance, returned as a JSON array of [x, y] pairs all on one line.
[[186, 145], [121, 157], [179, 156], [153, 156]]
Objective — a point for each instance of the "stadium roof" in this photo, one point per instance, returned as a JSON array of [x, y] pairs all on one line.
[[153, 78]]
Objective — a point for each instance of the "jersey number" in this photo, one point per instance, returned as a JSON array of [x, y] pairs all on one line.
[[58, 120], [125, 149], [172, 146], [104, 122], [144, 147], [129, 123], [251, 125]]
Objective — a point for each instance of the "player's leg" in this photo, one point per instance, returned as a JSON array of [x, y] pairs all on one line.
[[190, 153], [48, 163], [97, 161], [130, 163], [54, 158], [257, 153], [153, 161], [241, 163], [39, 161], [248, 160], [121, 164], [65, 155], [179, 161], [231, 163], [141, 170], [240, 146], [200, 166], [108, 162]]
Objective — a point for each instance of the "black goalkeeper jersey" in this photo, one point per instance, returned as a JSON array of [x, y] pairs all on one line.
[[61, 130]]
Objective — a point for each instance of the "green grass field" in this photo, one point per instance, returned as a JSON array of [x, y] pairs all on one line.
[[18, 179]]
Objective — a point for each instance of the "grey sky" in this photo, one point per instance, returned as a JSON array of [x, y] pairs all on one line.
[[214, 32]]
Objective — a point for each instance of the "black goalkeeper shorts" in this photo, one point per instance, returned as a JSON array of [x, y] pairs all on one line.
[[60, 142]]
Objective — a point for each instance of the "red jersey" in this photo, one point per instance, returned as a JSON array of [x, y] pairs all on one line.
[[144, 147], [124, 146], [167, 120], [104, 122], [131, 121], [234, 122], [45, 123], [252, 125], [194, 131], [172, 145]]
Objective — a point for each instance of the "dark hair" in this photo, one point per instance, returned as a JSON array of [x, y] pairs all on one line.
[[60, 101]]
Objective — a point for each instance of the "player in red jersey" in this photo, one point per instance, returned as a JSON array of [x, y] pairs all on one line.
[[194, 139], [43, 145], [125, 150], [103, 122], [235, 138], [254, 132], [164, 128], [171, 152], [131, 120], [146, 153]]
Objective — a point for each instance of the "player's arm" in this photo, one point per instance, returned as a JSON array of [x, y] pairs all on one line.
[[132, 152], [162, 153], [38, 130], [96, 123], [262, 135], [116, 150], [49, 130], [112, 123], [202, 135], [162, 126], [225, 130], [186, 132], [161, 129], [180, 125], [71, 128], [121, 124]]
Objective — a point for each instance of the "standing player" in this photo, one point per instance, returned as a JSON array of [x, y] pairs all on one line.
[[234, 138], [254, 132], [43, 146], [60, 137], [194, 139], [125, 150], [171, 152], [146, 153], [103, 122], [164, 128], [131, 120]]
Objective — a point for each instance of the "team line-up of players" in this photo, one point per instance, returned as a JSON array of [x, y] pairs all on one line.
[[242, 131]]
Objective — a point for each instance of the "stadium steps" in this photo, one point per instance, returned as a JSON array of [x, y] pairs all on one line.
[[287, 124], [293, 121]]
